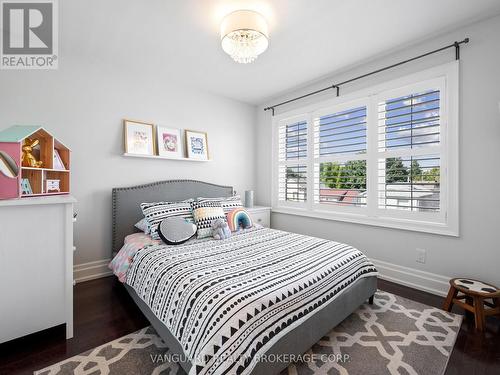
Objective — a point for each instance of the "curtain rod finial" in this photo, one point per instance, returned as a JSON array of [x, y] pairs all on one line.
[[270, 108]]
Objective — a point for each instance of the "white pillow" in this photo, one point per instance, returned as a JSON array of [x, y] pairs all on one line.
[[228, 203]]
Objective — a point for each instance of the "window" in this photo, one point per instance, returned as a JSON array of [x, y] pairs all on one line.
[[386, 156]]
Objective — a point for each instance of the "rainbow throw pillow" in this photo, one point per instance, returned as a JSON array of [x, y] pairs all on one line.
[[238, 219]]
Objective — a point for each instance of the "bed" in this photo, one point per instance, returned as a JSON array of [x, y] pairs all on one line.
[[236, 306]]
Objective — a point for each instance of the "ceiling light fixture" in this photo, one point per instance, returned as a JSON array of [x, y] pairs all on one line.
[[244, 35]]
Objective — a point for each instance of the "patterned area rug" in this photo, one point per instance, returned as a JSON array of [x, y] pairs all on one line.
[[393, 336]]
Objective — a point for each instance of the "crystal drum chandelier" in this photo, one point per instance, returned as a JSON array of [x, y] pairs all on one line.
[[244, 35]]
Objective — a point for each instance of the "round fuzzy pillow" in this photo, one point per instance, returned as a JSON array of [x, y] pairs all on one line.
[[239, 219]]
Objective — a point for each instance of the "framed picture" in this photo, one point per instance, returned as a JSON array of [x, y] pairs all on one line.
[[139, 138], [169, 142], [196, 145]]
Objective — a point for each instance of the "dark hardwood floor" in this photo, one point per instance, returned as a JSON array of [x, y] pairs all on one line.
[[104, 311]]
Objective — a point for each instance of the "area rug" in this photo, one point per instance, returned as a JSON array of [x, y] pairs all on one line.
[[393, 336]]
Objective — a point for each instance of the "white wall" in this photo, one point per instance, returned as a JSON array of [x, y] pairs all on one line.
[[83, 103], [476, 253]]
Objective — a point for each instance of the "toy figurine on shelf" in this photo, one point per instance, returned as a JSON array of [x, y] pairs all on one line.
[[28, 159]]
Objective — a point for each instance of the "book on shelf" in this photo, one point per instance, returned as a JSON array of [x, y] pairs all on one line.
[[58, 163], [26, 187]]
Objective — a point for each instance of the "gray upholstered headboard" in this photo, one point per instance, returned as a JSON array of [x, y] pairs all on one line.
[[127, 200]]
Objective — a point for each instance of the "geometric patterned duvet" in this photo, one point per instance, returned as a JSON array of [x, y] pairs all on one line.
[[228, 301]]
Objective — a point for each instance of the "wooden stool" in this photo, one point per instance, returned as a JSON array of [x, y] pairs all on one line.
[[475, 294]]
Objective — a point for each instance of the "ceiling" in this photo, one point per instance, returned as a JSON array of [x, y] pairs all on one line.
[[179, 39]]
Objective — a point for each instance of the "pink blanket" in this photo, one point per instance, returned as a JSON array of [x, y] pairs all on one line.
[[133, 243]]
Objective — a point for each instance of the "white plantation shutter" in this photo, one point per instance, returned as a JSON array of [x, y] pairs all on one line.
[[340, 183], [410, 183], [410, 121], [338, 178], [409, 127], [292, 154], [340, 133], [293, 141], [293, 183]]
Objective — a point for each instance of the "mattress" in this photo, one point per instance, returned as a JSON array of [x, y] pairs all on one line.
[[228, 302]]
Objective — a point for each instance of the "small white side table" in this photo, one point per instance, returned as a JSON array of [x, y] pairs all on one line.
[[260, 215]]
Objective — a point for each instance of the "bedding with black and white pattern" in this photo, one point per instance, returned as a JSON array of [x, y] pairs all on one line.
[[228, 301]]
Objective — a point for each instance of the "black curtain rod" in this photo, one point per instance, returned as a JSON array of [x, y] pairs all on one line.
[[336, 86]]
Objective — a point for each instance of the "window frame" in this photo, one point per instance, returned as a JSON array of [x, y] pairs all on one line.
[[446, 221]]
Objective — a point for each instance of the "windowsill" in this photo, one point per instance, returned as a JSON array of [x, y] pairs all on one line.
[[403, 224]]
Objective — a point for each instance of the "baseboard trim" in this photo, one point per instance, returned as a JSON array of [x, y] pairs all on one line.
[[413, 278], [91, 270]]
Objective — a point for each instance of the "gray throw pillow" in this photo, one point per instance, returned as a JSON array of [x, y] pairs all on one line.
[[176, 230]]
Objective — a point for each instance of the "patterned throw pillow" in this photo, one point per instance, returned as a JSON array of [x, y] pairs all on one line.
[[176, 230], [143, 226], [156, 212], [204, 213], [228, 204]]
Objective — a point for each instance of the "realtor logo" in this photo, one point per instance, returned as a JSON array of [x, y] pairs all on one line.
[[29, 34]]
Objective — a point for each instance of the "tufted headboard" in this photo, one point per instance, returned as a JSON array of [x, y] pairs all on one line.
[[127, 200]]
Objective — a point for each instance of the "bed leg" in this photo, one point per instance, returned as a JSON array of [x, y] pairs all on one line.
[[370, 300]]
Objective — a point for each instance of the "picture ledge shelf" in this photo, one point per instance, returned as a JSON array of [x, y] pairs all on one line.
[[162, 157]]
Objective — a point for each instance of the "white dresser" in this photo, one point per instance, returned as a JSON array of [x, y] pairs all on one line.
[[260, 215], [36, 265]]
